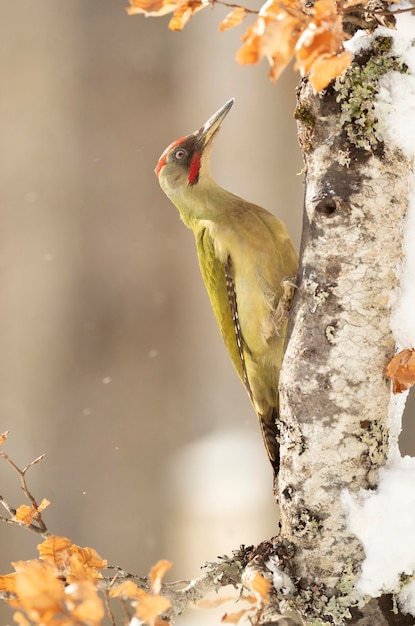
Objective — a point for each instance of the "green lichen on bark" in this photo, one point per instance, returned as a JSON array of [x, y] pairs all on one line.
[[304, 115], [357, 88], [323, 610]]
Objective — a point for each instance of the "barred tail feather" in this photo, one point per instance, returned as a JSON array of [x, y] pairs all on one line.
[[269, 430]]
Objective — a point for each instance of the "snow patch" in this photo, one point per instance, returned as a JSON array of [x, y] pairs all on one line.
[[395, 109], [361, 40], [403, 44], [280, 580], [383, 521]]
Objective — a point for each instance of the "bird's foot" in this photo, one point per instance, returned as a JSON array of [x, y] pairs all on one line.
[[284, 303]]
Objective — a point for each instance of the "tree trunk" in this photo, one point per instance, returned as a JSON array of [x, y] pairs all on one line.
[[335, 431]]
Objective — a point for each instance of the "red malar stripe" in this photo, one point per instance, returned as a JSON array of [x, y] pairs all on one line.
[[194, 169]]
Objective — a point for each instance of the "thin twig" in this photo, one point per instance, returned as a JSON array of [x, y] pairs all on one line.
[[231, 5], [108, 607], [39, 527], [350, 9], [32, 527], [10, 510]]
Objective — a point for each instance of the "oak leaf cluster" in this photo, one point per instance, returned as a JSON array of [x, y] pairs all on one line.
[[311, 34]]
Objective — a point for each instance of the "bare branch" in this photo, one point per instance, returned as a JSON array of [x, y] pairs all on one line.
[[227, 571], [38, 526]]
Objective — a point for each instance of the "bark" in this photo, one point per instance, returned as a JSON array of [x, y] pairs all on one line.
[[334, 396]]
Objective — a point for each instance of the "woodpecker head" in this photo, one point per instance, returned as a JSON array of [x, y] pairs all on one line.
[[185, 161]]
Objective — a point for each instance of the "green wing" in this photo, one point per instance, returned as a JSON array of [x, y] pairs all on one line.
[[218, 282]]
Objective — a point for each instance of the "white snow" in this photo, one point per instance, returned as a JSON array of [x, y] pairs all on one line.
[[407, 598], [361, 40], [395, 110], [384, 520], [280, 580], [395, 103]]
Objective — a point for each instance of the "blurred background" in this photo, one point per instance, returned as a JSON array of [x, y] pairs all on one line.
[[111, 363]]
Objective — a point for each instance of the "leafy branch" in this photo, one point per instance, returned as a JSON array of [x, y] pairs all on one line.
[[71, 584], [313, 33]]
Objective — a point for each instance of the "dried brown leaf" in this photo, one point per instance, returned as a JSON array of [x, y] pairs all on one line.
[[84, 604], [38, 590], [401, 370], [183, 10], [261, 586], [4, 436], [88, 557], [326, 68], [234, 18], [54, 549], [154, 7], [8, 583], [314, 36], [157, 574], [233, 618], [25, 513], [183, 14], [150, 607], [273, 36], [127, 589]]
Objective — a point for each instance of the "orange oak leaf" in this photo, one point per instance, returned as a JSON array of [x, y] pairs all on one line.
[[77, 570], [234, 18], [182, 15], [273, 36], [154, 7], [211, 603], [4, 436], [8, 583], [183, 10], [157, 574], [84, 604], [401, 370], [327, 67], [261, 586], [234, 618], [313, 35], [54, 549], [25, 513], [319, 49], [127, 589], [88, 557], [150, 607], [75, 562], [38, 591]]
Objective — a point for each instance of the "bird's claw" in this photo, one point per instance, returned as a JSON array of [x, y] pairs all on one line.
[[284, 303]]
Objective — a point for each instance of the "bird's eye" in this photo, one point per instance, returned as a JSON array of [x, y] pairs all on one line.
[[180, 154]]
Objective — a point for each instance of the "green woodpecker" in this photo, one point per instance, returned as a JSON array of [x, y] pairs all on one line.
[[245, 257]]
